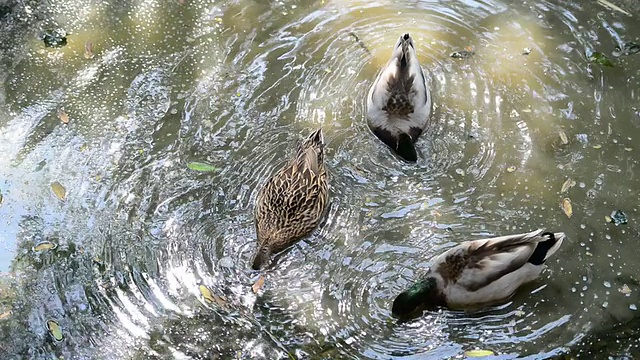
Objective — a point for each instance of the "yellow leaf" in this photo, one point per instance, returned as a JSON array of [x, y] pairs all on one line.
[[568, 184], [206, 293], [566, 207], [511, 169], [563, 137], [211, 297], [628, 149], [54, 330], [59, 190], [258, 284], [5, 314], [608, 218], [478, 353], [597, 146], [45, 245], [63, 116]]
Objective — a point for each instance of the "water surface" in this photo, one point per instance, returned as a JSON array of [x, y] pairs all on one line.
[[237, 84]]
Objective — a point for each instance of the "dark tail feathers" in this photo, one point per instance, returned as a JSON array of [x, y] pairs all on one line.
[[537, 258]]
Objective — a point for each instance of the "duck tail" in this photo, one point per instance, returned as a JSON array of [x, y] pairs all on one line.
[[546, 248], [311, 151]]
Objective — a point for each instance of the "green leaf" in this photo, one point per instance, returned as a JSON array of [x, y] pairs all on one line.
[[202, 167], [478, 353], [600, 58]]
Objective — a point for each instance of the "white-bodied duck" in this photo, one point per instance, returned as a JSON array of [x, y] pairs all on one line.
[[479, 272], [399, 101]]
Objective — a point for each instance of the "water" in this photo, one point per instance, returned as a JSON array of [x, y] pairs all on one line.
[[236, 84]]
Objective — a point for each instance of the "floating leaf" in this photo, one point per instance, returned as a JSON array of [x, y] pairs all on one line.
[[462, 54], [526, 51], [618, 217], [628, 149], [478, 353], [258, 284], [611, 6], [625, 289], [563, 137], [607, 218], [568, 184], [1, 198], [59, 190], [202, 167], [629, 48], [566, 207], [600, 58], [54, 330], [511, 169], [206, 293], [211, 297], [45, 245], [597, 146], [63, 116], [5, 314], [88, 50]]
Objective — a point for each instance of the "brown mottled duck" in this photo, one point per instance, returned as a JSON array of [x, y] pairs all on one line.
[[292, 202]]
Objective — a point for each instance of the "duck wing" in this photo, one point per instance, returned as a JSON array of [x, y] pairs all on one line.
[[473, 265]]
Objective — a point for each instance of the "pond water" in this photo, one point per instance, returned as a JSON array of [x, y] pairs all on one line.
[[236, 84]]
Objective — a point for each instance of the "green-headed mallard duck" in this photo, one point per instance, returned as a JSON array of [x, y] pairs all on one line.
[[479, 272], [292, 202], [399, 101]]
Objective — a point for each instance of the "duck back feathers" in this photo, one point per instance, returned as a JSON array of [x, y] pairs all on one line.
[[291, 203]]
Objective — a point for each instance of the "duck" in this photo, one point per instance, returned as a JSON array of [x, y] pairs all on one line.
[[292, 202], [399, 101], [479, 272]]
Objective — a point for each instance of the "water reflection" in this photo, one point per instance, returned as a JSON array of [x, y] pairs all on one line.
[[236, 84]]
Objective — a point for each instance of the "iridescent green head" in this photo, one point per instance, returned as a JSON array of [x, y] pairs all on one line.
[[423, 294]]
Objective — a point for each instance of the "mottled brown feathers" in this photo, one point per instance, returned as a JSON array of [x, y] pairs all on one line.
[[293, 200]]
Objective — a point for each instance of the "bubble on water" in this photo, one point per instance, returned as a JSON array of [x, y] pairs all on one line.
[[633, 307], [582, 185]]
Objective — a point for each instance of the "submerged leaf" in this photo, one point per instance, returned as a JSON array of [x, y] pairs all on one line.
[[54, 329], [618, 217], [45, 245], [59, 190], [566, 207], [568, 184], [202, 167], [258, 284], [511, 169], [63, 116], [478, 353], [600, 58]]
